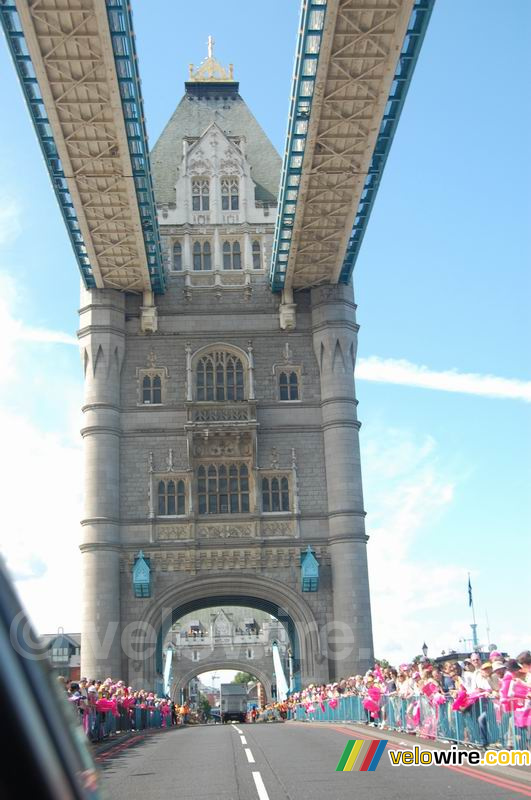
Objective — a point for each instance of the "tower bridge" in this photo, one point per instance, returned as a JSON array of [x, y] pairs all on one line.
[[217, 326]]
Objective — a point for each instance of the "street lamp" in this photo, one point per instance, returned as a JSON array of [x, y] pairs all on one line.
[[425, 649]]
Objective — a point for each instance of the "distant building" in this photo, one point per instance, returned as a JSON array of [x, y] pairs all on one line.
[[64, 652]]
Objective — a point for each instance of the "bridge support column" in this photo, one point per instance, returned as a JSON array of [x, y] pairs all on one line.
[[102, 338], [335, 342]]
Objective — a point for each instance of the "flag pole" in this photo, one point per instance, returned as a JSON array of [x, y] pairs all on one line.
[[473, 624]]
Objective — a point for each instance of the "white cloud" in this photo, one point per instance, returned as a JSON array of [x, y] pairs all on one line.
[[406, 492], [404, 373], [41, 476]]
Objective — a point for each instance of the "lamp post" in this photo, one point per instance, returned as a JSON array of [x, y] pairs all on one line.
[[425, 649]]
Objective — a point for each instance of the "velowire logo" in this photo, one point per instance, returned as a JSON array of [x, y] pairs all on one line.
[[362, 755]]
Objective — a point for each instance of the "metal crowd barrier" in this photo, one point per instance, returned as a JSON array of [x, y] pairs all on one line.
[[482, 724], [100, 725]]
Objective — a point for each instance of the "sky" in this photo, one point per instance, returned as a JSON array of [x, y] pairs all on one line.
[[442, 285]]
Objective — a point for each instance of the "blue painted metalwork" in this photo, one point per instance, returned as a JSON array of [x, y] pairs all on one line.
[[309, 571], [126, 60], [26, 73], [416, 30], [120, 23], [306, 61], [142, 576], [307, 51]]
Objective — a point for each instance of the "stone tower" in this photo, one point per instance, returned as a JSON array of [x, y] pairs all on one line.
[[221, 435]]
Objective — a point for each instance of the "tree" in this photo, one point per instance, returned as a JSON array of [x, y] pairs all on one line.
[[243, 677], [203, 704]]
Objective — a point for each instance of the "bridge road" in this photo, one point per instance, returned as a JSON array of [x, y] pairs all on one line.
[[289, 761]]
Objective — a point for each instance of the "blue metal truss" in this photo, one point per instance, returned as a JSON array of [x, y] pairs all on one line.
[[301, 102], [30, 87], [120, 23], [306, 61], [126, 60], [416, 30]]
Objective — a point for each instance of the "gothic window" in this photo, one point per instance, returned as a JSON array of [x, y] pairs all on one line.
[[223, 489], [288, 383], [171, 498], [232, 256], [257, 255], [177, 257], [230, 196], [202, 256], [275, 494], [200, 194], [220, 377], [151, 390]]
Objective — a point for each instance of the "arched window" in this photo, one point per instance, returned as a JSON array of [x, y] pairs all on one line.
[[177, 260], [232, 257], [257, 255], [289, 386], [275, 494], [220, 377], [200, 194], [202, 256], [152, 390], [230, 199], [171, 498], [223, 489]]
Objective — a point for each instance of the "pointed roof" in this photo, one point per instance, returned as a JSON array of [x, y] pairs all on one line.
[[203, 103]]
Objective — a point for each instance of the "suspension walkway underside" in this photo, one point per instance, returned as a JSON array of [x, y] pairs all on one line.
[[354, 61], [77, 65]]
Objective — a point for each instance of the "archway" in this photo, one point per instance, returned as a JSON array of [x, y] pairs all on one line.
[[241, 666], [254, 591]]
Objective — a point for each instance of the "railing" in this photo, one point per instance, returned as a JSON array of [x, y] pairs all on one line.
[[99, 725], [483, 724]]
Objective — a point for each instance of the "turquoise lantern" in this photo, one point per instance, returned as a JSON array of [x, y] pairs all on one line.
[[142, 576], [309, 571]]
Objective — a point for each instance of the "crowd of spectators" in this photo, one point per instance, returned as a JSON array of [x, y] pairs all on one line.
[[99, 703], [458, 685]]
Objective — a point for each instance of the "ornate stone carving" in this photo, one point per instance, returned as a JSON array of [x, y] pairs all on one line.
[[152, 359], [216, 444], [198, 164], [226, 414], [226, 531], [168, 532], [278, 528], [229, 165], [274, 463], [287, 355], [169, 461]]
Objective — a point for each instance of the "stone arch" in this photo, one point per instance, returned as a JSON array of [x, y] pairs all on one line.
[[236, 589], [184, 678]]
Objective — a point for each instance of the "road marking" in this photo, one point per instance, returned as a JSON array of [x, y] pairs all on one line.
[[260, 788], [244, 740], [250, 757], [237, 729]]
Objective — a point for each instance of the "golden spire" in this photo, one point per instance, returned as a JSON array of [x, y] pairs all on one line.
[[210, 70]]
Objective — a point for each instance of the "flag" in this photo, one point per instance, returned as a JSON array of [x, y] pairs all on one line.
[[469, 592]]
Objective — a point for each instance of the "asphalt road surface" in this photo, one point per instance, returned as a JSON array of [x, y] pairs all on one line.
[[283, 761]]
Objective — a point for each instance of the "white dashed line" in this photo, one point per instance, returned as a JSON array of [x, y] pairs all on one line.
[[260, 788], [250, 757], [243, 739], [237, 729]]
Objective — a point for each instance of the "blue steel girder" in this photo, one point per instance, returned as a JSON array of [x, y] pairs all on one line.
[[351, 55], [78, 69]]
